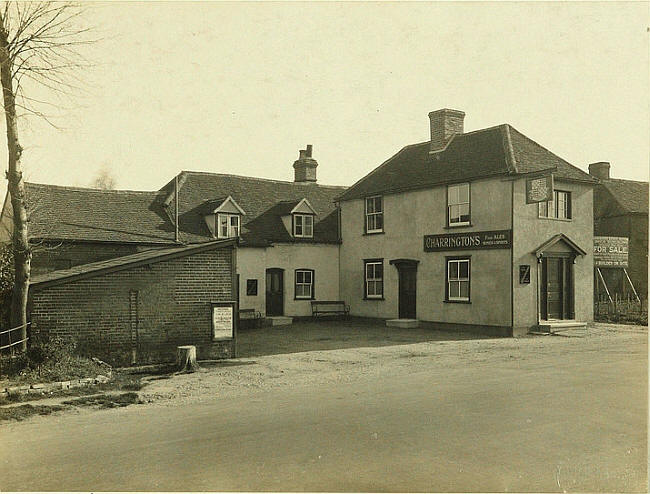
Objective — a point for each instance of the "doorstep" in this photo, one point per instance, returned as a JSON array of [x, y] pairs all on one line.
[[560, 326], [280, 320], [402, 323]]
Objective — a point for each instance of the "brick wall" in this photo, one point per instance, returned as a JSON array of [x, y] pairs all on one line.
[[54, 256], [170, 298]]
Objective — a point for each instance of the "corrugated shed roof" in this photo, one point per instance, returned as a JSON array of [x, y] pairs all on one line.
[[500, 150], [124, 262]]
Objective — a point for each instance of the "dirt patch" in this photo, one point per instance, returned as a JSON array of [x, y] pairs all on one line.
[[426, 350], [106, 400]]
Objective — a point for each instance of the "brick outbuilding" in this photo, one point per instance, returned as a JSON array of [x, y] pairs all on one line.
[[139, 308]]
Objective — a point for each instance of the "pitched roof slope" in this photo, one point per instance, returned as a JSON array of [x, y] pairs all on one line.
[[499, 150], [264, 202], [73, 213], [616, 197], [124, 262]]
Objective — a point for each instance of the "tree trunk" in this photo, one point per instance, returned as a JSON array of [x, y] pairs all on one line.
[[16, 186], [186, 359]]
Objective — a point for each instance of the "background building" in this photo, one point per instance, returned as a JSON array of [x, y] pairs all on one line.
[[621, 210]]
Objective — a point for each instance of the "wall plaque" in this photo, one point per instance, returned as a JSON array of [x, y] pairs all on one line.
[[539, 189], [610, 252], [496, 239], [524, 274], [223, 320]]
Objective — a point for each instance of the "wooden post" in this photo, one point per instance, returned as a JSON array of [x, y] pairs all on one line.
[[186, 359]]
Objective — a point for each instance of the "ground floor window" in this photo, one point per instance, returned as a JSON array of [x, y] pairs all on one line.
[[458, 279], [374, 278], [304, 283]]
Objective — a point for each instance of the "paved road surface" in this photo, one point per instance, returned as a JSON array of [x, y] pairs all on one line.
[[575, 424]]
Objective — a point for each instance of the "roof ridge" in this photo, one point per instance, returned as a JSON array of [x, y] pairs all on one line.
[[91, 189], [623, 180], [260, 179]]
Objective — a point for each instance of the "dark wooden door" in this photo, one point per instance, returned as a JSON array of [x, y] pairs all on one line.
[[407, 291], [274, 292], [555, 288]]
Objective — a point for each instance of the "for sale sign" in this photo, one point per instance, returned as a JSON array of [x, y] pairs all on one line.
[[610, 252]]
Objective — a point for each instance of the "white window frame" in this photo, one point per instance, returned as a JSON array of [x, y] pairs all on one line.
[[304, 223], [459, 280], [557, 209], [374, 279], [454, 202], [231, 230], [303, 284], [372, 215]]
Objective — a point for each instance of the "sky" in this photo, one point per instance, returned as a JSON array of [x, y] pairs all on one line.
[[241, 87]]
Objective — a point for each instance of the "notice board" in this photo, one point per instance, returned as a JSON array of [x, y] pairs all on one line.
[[610, 252], [224, 320]]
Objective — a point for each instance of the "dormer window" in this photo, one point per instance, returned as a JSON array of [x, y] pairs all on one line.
[[223, 217], [303, 225], [228, 225]]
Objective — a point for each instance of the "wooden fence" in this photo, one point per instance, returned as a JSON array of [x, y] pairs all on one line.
[[8, 346], [621, 307]]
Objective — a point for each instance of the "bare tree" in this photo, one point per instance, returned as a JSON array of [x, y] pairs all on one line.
[[38, 44], [104, 180]]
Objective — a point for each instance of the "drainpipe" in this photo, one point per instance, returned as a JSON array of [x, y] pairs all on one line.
[[176, 209]]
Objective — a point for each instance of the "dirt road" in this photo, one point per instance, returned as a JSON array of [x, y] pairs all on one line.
[[548, 414]]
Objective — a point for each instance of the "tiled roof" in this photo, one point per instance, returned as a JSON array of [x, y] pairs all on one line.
[[124, 262], [497, 150], [264, 202], [71, 213], [615, 197]]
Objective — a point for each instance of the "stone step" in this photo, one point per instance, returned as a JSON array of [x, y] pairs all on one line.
[[402, 323], [280, 320], [561, 326]]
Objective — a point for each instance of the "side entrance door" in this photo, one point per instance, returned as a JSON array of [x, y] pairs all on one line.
[[274, 292], [407, 290]]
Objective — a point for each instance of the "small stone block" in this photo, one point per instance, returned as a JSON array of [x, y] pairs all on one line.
[[100, 379], [38, 386], [35, 391], [64, 384]]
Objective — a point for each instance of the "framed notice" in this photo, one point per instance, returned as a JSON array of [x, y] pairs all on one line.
[[524, 274], [224, 320], [539, 189], [610, 252]]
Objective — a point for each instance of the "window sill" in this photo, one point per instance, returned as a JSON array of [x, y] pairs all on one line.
[[566, 220], [375, 233], [457, 301], [459, 225], [374, 298], [304, 298]]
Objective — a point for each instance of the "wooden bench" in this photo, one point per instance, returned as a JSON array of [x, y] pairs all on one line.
[[252, 315], [329, 308]]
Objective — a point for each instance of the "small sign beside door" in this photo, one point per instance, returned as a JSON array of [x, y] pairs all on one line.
[[524, 274]]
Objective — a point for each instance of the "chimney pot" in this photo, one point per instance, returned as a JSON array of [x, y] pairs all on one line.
[[600, 170], [305, 166], [445, 123]]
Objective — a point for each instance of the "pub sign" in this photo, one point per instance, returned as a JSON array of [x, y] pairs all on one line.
[[539, 189], [610, 252], [496, 239]]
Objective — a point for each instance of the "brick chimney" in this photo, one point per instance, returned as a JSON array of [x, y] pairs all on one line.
[[599, 170], [444, 124], [305, 166]]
